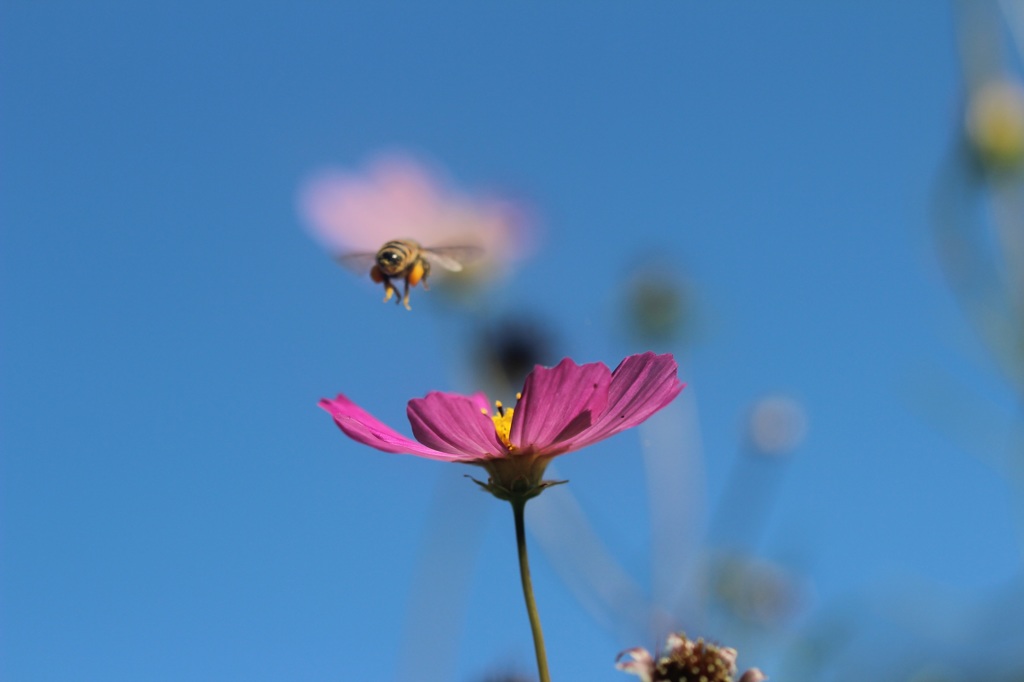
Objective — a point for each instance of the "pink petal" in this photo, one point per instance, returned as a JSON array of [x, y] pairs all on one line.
[[640, 663], [361, 426], [480, 403], [640, 386], [455, 424], [558, 403]]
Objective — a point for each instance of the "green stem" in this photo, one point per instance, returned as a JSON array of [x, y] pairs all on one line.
[[531, 606]]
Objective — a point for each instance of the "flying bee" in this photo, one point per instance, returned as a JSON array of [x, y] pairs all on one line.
[[405, 259]]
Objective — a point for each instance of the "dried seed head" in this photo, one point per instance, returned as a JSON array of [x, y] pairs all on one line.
[[685, 661], [699, 661]]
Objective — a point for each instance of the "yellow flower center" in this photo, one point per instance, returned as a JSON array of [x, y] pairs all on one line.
[[502, 419]]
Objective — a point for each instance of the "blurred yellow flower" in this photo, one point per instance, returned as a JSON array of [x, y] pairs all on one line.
[[995, 124]]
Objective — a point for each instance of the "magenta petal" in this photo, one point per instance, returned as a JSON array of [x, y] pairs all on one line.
[[558, 403], [361, 426], [480, 403], [455, 424], [640, 386]]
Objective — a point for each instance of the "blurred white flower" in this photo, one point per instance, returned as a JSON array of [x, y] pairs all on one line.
[[777, 425]]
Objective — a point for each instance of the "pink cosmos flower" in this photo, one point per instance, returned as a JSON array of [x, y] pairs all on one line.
[[560, 409]]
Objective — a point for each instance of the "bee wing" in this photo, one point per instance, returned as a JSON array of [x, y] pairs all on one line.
[[452, 257], [360, 262]]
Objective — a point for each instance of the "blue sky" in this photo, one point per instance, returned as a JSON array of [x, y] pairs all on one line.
[[175, 506]]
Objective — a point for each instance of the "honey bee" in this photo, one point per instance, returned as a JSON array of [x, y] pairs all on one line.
[[405, 259]]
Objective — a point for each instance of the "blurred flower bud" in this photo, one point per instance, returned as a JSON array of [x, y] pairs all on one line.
[[508, 349], [995, 125], [756, 590], [753, 675], [777, 425], [658, 305]]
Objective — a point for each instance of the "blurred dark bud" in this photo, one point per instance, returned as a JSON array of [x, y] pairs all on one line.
[[659, 306], [508, 349], [994, 124], [684, 661], [753, 675], [777, 425], [757, 591]]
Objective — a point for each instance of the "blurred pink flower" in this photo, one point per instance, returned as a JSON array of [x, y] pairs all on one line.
[[560, 409], [397, 197]]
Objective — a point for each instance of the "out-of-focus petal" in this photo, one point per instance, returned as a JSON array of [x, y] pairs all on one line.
[[455, 424], [640, 386], [349, 211], [361, 426], [753, 675], [640, 663], [558, 403]]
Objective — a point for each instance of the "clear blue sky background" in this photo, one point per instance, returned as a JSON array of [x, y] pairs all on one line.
[[175, 506]]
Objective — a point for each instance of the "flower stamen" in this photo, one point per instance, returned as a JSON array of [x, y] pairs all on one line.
[[502, 419]]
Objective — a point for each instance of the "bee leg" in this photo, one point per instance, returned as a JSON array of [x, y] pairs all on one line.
[[389, 289], [426, 271], [405, 293]]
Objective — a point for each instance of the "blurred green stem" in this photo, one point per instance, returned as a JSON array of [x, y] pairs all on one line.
[[518, 507]]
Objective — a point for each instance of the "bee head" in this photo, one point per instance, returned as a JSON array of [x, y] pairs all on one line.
[[390, 260]]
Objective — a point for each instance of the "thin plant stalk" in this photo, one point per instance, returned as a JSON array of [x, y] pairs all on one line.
[[518, 506]]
